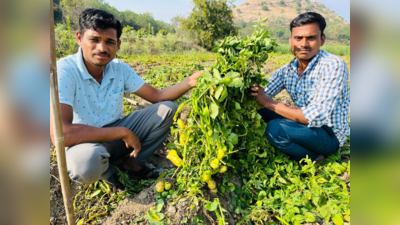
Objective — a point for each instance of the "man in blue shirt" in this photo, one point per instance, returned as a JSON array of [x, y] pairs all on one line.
[[91, 86], [317, 82]]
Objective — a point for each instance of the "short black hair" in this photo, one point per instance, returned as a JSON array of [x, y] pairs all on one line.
[[307, 18], [98, 19]]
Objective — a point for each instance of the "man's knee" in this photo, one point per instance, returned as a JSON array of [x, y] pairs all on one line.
[[169, 105], [166, 110], [87, 162], [276, 134]]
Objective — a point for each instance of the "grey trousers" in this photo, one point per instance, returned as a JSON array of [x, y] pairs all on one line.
[[90, 162]]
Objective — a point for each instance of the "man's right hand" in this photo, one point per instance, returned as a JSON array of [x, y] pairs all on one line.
[[131, 140]]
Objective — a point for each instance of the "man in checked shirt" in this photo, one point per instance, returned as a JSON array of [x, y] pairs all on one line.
[[317, 82]]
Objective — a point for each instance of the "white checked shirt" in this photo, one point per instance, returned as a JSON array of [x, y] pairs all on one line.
[[321, 91]]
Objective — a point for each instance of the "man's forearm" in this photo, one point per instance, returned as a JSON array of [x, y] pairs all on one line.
[[289, 112], [78, 133], [175, 91]]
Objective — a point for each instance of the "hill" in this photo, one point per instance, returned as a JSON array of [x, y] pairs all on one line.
[[281, 12]]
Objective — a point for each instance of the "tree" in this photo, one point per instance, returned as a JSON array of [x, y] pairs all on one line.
[[209, 21]]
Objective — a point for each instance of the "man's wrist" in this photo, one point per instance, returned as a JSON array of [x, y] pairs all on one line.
[[124, 132], [268, 103]]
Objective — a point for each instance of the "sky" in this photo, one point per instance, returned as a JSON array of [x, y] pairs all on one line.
[[165, 10]]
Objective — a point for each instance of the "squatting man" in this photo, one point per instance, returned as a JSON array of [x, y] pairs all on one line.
[[91, 87], [317, 82]]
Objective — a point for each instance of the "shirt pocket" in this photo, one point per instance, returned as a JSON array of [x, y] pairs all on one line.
[[309, 95], [114, 105]]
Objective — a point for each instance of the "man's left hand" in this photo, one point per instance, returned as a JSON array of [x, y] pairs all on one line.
[[259, 95], [193, 78]]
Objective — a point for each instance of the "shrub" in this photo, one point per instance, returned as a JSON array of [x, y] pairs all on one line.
[[238, 10], [142, 32], [163, 32], [265, 8], [282, 3], [127, 29]]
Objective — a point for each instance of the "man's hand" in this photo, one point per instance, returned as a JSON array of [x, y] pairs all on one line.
[[193, 78], [131, 140], [259, 95]]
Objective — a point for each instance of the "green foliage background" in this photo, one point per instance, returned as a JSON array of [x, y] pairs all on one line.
[[72, 9]]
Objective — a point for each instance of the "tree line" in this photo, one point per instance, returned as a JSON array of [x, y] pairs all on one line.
[[71, 9]]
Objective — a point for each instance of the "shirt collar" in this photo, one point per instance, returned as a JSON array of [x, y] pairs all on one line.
[[107, 73], [293, 63]]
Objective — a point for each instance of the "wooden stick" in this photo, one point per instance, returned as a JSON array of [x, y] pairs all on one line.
[[57, 126]]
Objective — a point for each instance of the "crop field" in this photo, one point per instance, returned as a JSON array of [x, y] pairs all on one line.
[[219, 167]]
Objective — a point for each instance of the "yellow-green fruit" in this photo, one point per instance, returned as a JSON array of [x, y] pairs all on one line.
[[215, 191], [206, 176], [220, 154], [175, 159], [181, 124], [223, 169], [182, 139], [214, 164], [167, 186], [212, 184], [160, 187]]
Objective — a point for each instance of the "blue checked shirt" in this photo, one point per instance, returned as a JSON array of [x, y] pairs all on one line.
[[321, 92]]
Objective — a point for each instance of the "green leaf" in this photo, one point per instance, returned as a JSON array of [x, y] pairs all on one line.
[[219, 91], [337, 219], [80, 222], [211, 206], [95, 193], [206, 112], [262, 195], [233, 138], [237, 82], [237, 106], [231, 187], [310, 218], [171, 145], [159, 204], [207, 76], [232, 75], [214, 109], [154, 216], [223, 95], [325, 212], [216, 74]]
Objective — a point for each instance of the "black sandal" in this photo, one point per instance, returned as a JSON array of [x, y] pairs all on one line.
[[142, 173]]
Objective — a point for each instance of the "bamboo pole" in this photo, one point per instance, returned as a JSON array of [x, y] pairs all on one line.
[[57, 126]]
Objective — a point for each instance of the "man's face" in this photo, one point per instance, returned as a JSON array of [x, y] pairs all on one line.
[[306, 41], [98, 47]]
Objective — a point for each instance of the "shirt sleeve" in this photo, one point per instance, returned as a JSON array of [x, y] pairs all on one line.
[[275, 84], [66, 83], [325, 98], [133, 82]]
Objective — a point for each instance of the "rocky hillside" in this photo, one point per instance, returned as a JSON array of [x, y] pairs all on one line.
[[281, 12]]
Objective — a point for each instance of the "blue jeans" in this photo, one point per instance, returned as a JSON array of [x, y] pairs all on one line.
[[297, 140]]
